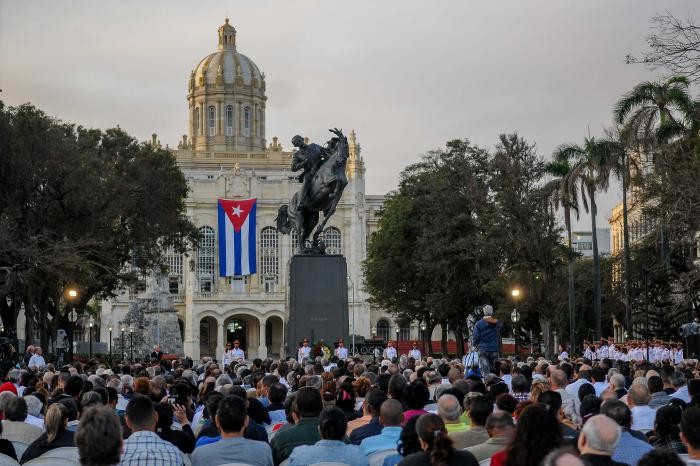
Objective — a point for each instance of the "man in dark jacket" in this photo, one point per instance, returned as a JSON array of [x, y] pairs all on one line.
[[486, 339]]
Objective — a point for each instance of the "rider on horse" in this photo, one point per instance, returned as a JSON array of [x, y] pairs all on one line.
[[309, 157]]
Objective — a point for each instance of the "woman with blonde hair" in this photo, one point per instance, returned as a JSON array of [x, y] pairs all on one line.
[[56, 435], [538, 387]]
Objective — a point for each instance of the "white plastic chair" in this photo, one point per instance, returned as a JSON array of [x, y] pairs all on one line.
[[285, 462], [486, 462], [377, 458], [20, 448], [41, 461], [7, 460], [329, 463], [235, 464], [70, 453]]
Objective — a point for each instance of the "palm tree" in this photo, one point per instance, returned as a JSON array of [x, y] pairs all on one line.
[[565, 195], [656, 111], [591, 167]]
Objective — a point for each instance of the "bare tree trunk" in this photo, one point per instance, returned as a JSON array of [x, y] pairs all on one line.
[[459, 336], [545, 325], [443, 338], [597, 297], [428, 335]]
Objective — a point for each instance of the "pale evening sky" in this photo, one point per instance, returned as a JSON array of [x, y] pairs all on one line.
[[406, 75]]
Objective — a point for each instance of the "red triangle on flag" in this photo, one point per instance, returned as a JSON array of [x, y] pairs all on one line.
[[237, 210]]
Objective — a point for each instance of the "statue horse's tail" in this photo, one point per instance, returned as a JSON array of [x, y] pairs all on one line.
[[284, 224]]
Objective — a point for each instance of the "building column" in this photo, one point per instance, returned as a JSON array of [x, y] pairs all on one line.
[[219, 340], [262, 348], [283, 340]]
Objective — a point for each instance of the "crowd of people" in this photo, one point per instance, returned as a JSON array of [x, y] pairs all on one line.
[[654, 351], [385, 411]]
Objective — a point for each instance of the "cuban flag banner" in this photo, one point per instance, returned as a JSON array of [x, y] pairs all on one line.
[[237, 242]]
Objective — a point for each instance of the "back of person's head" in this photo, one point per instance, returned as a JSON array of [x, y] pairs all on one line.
[[391, 413], [257, 411], [416, 395], [598, 374], [690, 427], [660, 457], [617, 381], [15, 409], [618, 412], [71, 406], [590, 406], [55, 421], [432, 431], [140, 414], [655, 384], [479, 410], [345, 398], [449, 409], [211, 403], [519, 384], [536, 434], [332, 424], [562, 456], [552, 400], [638, 394], [693, 387], [74, 386], [374, 400], [35, 406], [585, 390], [90, 399], [499, 422], [165, 416], [308, 402], [677, 379], [408, 439], [600, 433], [231, 414], [99, 437], [668, 420], [506, 402], [505, 368], [277, 393], [397, 386]]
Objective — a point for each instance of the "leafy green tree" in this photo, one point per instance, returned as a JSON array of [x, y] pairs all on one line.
[[75, 205]]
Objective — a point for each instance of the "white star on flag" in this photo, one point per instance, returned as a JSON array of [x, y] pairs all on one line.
[[237, 211]]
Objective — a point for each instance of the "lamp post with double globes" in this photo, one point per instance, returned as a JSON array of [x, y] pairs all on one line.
[[110, 343], [515, 317], [131, 341], [72, 317]]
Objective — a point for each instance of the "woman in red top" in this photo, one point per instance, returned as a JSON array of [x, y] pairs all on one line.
[[537, 433]]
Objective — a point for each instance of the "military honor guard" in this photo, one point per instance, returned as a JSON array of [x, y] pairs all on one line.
[[341, 352], [237, 352], [390, 351], [304, 350], [415, 352]]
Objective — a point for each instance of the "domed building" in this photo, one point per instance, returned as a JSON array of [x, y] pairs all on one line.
[[226, 155]]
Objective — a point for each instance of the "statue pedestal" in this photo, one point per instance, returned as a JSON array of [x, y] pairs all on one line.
[[318, 300]]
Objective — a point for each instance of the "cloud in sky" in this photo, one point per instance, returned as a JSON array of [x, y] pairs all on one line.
[[406, 75]]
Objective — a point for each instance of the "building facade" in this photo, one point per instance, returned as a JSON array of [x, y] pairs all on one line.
[[226, 155]]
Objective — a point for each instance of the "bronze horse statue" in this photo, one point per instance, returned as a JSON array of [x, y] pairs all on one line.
[[325, 175]]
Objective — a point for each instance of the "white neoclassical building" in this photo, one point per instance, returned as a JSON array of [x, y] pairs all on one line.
[[226, 155]]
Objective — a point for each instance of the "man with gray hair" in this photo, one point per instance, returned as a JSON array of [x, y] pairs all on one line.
[[679, 383], [597, 441], [34, 408], [501, 430], [643, 416], [449, 410]]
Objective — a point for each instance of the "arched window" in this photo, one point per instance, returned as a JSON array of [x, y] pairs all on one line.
[[229, 120], [196, 120], [246, 121], [269, 258], [383, 329], [211, 120], [174, 262], [205, 260], [333, 241]]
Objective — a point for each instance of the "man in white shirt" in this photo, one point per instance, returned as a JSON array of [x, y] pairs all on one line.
[[584, 375], [679, 382], [236, 352], [304, 350], [390, 351], [37, 360], [415, 352], [341, 352], [643, 416]]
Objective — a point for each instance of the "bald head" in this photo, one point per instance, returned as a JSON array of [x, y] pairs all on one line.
[[599, 435], [638, 395], [448, 409], [391, 413], [558, 379]]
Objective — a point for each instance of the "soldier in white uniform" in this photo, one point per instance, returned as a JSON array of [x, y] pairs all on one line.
[[390, 351], [304, 350], [226, 358], [237, 353], [415, 352], [341, 352]]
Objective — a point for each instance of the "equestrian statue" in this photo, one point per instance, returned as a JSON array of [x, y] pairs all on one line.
[[324, 180]]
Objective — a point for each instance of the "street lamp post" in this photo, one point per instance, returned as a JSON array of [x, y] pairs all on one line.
[[131, 341], [398, 332], [110, 344], [72, 294], [515, 317], [123, 329], [353, 313], [91, 323]]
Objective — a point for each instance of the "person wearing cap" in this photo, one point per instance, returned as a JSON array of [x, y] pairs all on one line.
[[415, 352], [236, 352], [390, 351], [341, 352], [304, 350], [486, 339]]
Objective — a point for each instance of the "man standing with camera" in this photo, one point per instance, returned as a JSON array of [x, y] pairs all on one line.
[[486, 339]]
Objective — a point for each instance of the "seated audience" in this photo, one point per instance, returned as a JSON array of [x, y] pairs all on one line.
[[56, 435], [390, 417], [99, 437]]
